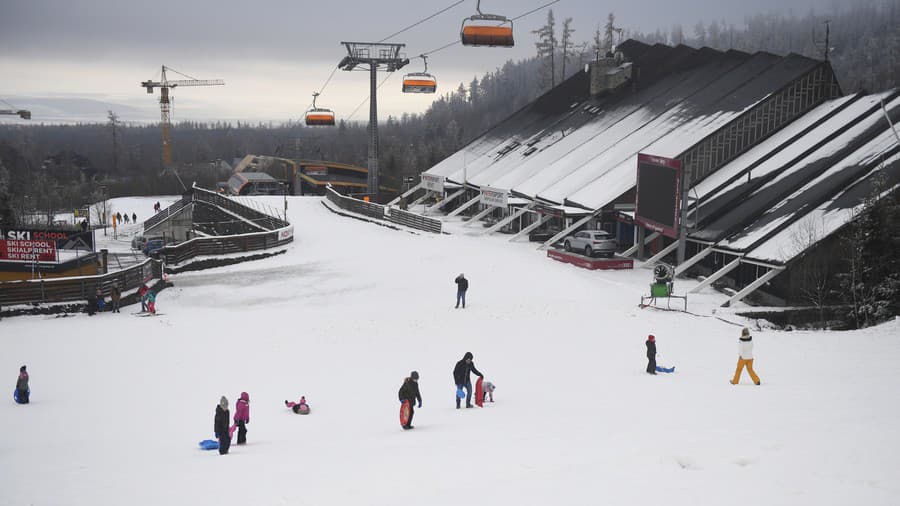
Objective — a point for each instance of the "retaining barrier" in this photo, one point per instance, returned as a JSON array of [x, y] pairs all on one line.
[[384, 213]]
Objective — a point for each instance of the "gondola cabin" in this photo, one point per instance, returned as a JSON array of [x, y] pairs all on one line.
[[487, 30], [320, 117], [419, 83]]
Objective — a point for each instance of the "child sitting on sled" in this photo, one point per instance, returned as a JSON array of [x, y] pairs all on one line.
[[301, 408]]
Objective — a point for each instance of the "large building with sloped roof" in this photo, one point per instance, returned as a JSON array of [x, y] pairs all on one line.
[[769, 142]]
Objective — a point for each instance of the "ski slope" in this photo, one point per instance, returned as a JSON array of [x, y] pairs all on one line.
[[119, 403]]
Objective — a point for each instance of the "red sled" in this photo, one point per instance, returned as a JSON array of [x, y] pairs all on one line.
[[479, 393], [404, 414]]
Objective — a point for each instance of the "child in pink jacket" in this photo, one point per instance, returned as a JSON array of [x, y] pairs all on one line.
[[242, 417]]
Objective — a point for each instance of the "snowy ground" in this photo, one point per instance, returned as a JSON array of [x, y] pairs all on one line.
[[119, 403]]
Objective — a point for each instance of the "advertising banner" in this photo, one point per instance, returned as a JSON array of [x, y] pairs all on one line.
[[315, 170], [286, 233], [64, 239], [658, 199], [433, 183], [494, 197], [27, 251]]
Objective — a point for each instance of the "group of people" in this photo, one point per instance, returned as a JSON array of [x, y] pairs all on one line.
[[157, 207], [745, 358], [222, 426], [462, 377], [97, 302], [123, 218]]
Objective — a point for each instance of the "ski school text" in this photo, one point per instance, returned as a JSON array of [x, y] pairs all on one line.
[[28, 251]]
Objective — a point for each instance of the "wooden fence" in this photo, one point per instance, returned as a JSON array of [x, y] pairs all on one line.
[[37, 291], [384, 213], [223, 245]]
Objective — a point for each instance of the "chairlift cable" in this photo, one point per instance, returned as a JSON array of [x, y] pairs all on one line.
[[417, 23], [520, 16]]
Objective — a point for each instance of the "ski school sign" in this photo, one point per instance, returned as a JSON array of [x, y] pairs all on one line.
[[27, 251], [62, 239]]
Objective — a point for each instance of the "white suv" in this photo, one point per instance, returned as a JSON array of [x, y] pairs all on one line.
[[591, 242]]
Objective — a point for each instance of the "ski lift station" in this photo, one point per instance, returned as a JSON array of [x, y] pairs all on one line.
[[768, 148]]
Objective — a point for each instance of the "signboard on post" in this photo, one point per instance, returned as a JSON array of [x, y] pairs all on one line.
[[494, 197], [28, 251], [433, 183], [658, 199], [286, 233]]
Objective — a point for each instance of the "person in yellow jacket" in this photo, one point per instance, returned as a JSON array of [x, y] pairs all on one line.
[[745, 346]]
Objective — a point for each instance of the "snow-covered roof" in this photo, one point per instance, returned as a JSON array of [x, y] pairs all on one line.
[[796, 183]]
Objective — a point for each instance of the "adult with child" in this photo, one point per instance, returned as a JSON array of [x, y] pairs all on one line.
[[463, 379], [745, 358]]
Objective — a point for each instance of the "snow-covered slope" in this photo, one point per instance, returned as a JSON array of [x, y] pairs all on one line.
[[119, 402]]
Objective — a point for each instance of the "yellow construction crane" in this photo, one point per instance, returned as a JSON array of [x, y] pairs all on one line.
[[22, 113], [165, 104]]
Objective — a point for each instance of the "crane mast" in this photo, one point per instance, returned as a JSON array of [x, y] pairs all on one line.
[[165, 105]]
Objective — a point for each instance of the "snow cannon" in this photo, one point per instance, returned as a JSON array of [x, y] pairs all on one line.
[[662, 287]]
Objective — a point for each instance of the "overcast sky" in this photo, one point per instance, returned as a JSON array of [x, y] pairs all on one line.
[[273, 54]]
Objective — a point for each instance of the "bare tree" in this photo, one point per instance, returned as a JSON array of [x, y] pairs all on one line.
[[813, 270]]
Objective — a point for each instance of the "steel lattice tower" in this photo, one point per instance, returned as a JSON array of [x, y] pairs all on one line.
[[373, 56]]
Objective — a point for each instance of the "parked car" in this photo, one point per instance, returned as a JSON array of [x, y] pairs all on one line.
[[152, 245], [591, 242], [139, 242]]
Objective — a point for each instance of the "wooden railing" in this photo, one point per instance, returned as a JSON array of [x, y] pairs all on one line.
[[384, 213], [38, 291], [223, 245]]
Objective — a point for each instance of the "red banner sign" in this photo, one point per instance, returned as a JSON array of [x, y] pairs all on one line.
[[28, 251]]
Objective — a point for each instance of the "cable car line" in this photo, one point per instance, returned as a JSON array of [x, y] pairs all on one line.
[[417, 23], [426, 53]]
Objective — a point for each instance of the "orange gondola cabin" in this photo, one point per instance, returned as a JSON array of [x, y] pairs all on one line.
[[319, 116], [488, 30]]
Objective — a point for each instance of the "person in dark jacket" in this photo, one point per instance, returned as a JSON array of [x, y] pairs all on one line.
[[651, 354], [220, 426], [462, 284], [409, 391], [134, 218], [462, 377], [115, 298], [22, 392]]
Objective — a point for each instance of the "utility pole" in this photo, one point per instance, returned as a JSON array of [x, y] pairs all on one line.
[[373, 56]]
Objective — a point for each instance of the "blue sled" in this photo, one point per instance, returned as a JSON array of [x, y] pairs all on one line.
[[663, 369], [209, 444], [16, 395]]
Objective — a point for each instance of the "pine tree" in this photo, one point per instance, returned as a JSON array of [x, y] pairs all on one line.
[[566, 44], [546, 48]]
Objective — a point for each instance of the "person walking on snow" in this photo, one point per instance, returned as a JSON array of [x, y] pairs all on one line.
[[409, 392], [22, 392], [651, 354], [115, 298], [242, 417], [220, 426], [462, 284], [745, 347], [462, 377], [141, 293], [134, 218]]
